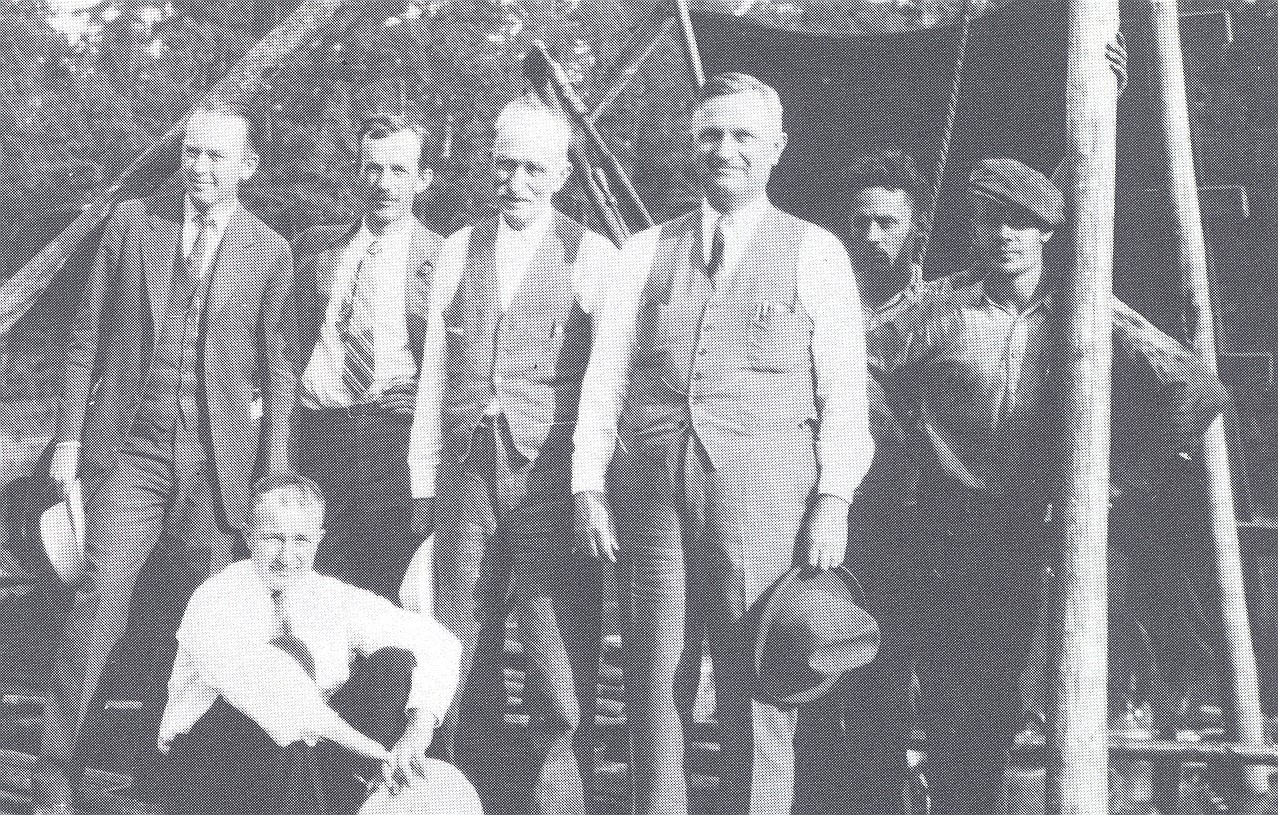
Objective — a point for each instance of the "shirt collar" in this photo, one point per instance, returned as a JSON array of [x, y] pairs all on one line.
[[741, 222], [393, 233], [1043, 302], [531, 234], [218, 215]]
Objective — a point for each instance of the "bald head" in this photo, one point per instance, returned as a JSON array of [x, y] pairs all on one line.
[[530, 159]]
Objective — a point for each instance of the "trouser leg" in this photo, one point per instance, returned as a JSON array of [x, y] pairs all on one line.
[[655, 645], [123, 520], [556, 604]]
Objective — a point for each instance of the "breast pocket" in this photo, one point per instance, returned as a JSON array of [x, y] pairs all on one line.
[[778, 339]]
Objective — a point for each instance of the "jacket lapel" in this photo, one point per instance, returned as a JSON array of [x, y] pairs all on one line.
[[162, 243], [234, 261]]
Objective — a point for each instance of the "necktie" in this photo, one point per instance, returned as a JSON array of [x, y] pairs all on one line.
[[195, 260], [716, 250], [357, 336], [282, 624]]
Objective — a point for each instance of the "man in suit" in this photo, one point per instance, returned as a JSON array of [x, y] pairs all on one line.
[[361, 296], [511, 322], [731, 348], [177, 380], [975, 385]]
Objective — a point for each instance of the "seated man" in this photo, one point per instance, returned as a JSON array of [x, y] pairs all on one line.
[[263, 673]]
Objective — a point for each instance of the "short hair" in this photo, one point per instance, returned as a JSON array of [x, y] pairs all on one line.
[[887, 168], [381, 125], [518, 111], [732, 83], [299, 488], [220, 106]]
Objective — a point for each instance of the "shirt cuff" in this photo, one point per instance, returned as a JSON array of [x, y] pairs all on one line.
[[422, 481], [424, 698], [68, 443], [586, 477]]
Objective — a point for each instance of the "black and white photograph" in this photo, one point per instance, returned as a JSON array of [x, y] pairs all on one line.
[[638, 407]]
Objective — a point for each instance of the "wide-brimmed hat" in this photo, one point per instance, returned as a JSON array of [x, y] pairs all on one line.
[[444, 791], [810, 631]]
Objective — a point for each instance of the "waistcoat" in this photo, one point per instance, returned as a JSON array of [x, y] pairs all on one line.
[[173, 387], [731, 361], [530, 358]]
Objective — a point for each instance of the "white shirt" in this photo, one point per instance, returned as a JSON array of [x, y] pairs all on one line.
[[224, 650], [826, 288], [383, 281], [218, 217], [514, 251]]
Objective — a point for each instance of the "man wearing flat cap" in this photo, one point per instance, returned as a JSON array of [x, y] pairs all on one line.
[[975, 392], [731, 350]]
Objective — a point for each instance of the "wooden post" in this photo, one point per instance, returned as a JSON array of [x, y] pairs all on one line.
[[240, 86], [1169, 73], [1077, 754], [690, 43]]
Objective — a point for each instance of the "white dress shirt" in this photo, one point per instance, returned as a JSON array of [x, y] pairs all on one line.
[[513, 253], [826, 288], [218, 217], [383, 281], [224, 650]]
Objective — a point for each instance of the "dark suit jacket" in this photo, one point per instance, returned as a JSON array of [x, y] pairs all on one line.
[[245, 345], [319, 250]]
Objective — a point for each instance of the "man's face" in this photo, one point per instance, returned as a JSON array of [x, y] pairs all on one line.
[[738, 142], [1008, 239], [216, 157], [881, 223], [390, 177], [283, 539], [528, 170]]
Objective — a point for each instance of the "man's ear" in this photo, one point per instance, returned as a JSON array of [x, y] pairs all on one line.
[[1047, 235], [424, 178], [783, 139], [251, 160]]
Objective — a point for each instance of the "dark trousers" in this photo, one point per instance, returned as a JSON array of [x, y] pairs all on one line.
[[360, 462], [161, 482], [973, 600], [701, 546], [228, 765], [505, 547]]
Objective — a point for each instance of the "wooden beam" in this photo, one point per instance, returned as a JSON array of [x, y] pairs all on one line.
[[1173, 109], [242, 84], [1077, 732]]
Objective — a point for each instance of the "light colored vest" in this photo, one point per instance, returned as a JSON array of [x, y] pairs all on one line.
[[530, 358], [732, 361]]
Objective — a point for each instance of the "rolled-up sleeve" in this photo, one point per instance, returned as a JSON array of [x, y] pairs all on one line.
[[827, 289], [1190, 395], [607, 377]]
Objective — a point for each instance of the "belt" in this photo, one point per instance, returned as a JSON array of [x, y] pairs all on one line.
[[362, 410]]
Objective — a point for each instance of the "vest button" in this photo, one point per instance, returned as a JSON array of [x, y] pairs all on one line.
[[696, 375], [701, 351]]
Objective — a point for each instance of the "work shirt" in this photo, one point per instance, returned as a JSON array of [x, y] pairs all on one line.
[[978, 373], [218, 217], [224, 650], [514, 251], [826, 290], [383, 282]]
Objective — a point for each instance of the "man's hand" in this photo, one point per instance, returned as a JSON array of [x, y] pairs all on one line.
[[1116, 55], [827, 532], [66, 464], [407, 757], [339, 732], [595, 533], [400, 396], [423, 517]]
